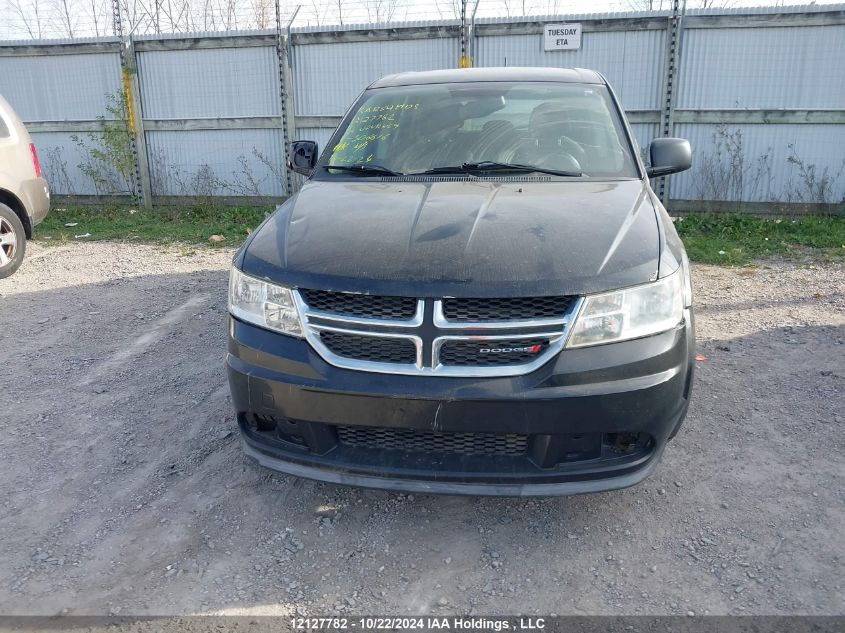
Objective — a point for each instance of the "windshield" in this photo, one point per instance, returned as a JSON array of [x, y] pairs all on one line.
[[572, 129]]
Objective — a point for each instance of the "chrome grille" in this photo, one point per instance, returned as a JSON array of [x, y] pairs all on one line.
[[370, 348], [426, 341], [507, 309], [360, 305], [414, 440]]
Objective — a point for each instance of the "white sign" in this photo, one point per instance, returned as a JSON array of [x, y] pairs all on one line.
[[562, 37]]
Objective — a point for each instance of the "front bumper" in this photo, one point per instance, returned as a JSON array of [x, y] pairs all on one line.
[[591, 419]]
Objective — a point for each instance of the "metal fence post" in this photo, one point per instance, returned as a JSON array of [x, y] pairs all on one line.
[[132, 86], [471, 36], [674, 33], [129, 82], [285, 87], [464, 61]]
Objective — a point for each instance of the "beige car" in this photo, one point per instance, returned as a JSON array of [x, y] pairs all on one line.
[[24, 194]]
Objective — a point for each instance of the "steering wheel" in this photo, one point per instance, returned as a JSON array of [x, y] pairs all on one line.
[[560, 160], [567, 155], [573, 147]]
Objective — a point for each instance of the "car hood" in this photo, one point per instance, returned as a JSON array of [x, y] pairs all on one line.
[[460, 238]]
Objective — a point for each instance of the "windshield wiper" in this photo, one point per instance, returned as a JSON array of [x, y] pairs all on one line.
[[363, 168], [489, 165]]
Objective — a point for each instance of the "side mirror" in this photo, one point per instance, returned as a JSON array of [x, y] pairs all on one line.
[[669, 156], [302, 156]]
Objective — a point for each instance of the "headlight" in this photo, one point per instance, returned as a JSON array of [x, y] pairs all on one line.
[[630, 313], [263, 304]]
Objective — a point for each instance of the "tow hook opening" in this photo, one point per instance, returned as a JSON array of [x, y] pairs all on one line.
[[275, 427], [625, 443]]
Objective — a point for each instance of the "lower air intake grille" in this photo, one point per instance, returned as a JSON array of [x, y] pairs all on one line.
[[359, 305], [508, 309], [370, 348], [431, 442], [491, 353]]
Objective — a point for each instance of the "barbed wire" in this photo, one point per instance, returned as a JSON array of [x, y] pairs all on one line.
[[33, 19]]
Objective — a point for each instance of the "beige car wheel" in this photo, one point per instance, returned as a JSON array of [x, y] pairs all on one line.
[[12, 241]]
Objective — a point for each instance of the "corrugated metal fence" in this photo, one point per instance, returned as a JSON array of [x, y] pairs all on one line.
[[759, 93]]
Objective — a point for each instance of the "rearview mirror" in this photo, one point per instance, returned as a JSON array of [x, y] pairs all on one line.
[[480, 108], [669, 156], [302, 156]]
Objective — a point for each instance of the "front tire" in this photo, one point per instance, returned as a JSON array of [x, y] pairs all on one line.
[[12, 242]]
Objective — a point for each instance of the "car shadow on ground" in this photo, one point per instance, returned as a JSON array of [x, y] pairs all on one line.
[[125, 491]]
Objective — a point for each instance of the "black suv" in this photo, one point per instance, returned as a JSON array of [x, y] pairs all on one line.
[[476, 291]]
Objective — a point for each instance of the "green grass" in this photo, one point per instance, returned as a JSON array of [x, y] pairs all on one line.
[[192, 224], [739, 239], [729, 239]]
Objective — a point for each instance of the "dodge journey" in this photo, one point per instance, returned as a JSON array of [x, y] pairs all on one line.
[[475, 291]]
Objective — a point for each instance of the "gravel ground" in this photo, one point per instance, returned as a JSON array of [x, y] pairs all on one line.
[[123, 489]]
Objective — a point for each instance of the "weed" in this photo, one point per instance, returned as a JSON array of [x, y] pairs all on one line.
[[725, 173], [109, 159], [814, 184]]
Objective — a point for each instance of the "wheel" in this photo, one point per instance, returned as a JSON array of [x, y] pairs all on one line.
[[12, 241]]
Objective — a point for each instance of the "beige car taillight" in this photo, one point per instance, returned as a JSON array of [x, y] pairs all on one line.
[[35, 162]]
